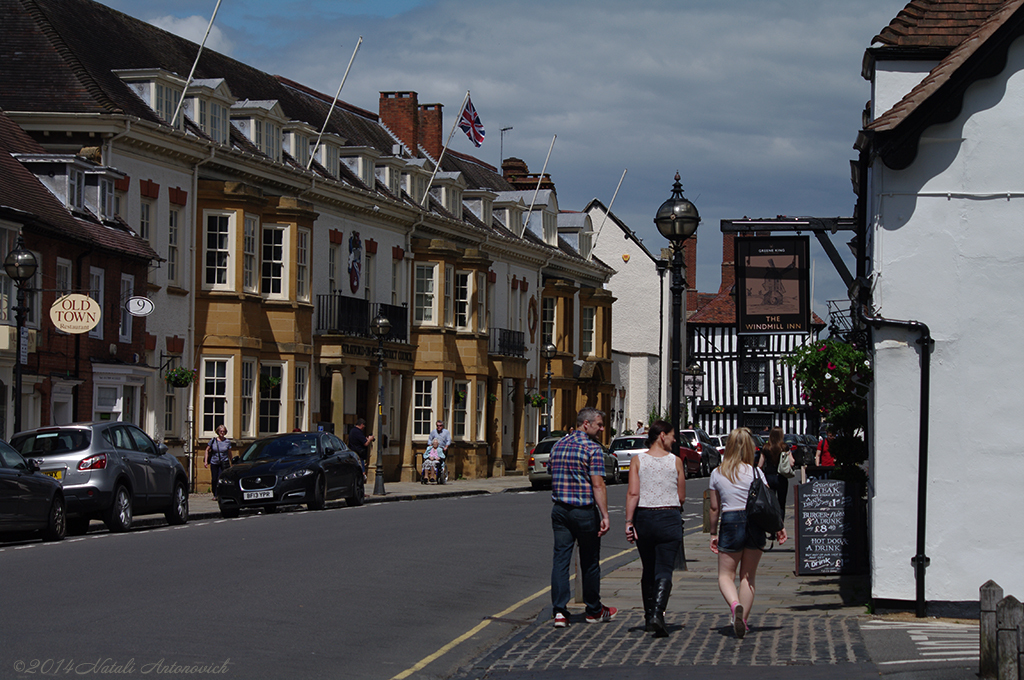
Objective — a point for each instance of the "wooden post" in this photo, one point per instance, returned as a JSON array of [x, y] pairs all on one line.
[[1009, 618], [990, 594]]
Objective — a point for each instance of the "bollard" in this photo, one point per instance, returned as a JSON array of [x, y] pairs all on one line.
[[1009, 617], [989, 595], [707, 511]]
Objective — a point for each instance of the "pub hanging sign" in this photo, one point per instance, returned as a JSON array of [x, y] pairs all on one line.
[[772, 284]]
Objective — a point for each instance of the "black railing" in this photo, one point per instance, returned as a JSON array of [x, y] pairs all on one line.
[[506, 342], [351, 316]]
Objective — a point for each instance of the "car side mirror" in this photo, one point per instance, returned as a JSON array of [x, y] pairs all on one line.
[[161, 448], [33, 466]]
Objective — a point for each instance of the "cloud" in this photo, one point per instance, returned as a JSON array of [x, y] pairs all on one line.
[[194, 28]]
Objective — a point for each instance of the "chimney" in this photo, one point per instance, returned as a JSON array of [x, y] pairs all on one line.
[[398, 111], [519, 176], [728, 261], [430, 129], [690, 261]]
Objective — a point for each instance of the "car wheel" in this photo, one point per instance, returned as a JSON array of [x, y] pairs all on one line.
[[77, 526], [359, 493], [178, 512], [537, 486], [228, 513], [56, 527], [118, 516], [319, 494]]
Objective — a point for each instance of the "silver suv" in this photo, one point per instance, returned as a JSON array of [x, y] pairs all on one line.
[[110, 470]]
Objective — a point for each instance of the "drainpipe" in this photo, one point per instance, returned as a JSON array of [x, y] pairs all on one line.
[[920, 561]]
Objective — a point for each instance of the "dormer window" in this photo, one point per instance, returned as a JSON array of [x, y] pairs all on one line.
[[106, 198], [361, 161], [76, 189], [161, 90], [389, 172], [327, 153], [207, 103], [414, 181], [261, 121], [297, 139]]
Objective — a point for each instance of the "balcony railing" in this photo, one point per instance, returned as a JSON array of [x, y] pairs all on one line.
[[506, 342], [345, 315]]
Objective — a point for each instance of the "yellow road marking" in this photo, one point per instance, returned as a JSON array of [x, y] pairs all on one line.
[[483, 624]]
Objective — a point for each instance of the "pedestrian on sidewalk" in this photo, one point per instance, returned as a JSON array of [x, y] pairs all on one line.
[[772, 453], [657, 491], [736, 544], [217, 456], [579, 516]]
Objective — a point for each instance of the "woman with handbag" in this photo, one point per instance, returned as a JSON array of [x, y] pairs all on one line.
[[737, 545], [657, 491]]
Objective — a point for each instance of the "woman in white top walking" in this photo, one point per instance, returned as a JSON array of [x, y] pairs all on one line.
[[736, 544], [657, 490]]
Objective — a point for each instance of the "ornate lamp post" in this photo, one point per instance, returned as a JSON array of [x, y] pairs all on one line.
[[21, 266], [696, 374], [548, 352], [677, 220], [380, 326]]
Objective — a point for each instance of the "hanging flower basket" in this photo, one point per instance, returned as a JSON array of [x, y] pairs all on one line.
[[538, 400], [269, 382], [492, 397], [180, 376], [718, 409]]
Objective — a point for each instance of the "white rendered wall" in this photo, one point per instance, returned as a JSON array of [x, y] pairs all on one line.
[[893, 80], [955, 261]]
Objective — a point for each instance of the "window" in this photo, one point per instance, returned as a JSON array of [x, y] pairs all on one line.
[[63, 276], [302, 266], [424, 294], [76, 189], [170, 407], [481, 410], [219, 228], [267, 136], [460, 411], [301, 389], [271, 392], [755, 376], [481, 302], [172, 246], [547, 333], [272, 265], [166, 103], [449, 310], [446, 404], [124, 329], [462, 293], [248, 401], [423, 406], [520, 315], [332, 267], [215, 394], [587, 334], [106, 198], [96, 293], [218, 123], [368, 275], [249, 254], [396, 282]]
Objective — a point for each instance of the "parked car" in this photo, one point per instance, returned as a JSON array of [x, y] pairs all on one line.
[[627, 446], [291, 469], [803, 451], [109, 470], [29, 500], [537, 465], [699, 440], [719, 441]]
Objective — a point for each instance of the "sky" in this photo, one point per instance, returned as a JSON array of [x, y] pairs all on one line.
[[756, 103]]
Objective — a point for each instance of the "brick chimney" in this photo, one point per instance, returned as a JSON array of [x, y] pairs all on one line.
[[728, 261], [519, 176], [430, 120], [690, 261], [399, 112]]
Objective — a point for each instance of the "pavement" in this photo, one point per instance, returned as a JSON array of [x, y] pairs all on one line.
[[801, 626]]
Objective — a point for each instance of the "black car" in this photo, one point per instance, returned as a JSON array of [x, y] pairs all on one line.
[[29, 500], [291, 469]]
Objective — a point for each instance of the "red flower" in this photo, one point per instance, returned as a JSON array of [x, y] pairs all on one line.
[[831, 366]]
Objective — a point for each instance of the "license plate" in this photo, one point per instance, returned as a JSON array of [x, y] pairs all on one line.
[[257, 495], [56, 474]]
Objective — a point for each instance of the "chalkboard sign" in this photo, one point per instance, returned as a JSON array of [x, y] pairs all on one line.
[[830, 537]]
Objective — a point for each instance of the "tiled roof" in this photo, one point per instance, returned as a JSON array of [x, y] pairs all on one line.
[[721, 311], [936, 23], [478, 175]]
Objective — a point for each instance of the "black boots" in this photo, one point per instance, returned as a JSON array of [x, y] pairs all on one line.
[[662, 589], [647, 592]]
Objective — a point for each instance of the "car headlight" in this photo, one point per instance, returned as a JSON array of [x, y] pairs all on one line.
[[225, 482], [299, 473]]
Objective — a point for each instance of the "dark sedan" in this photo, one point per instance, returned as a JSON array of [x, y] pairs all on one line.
[[290, 469], [29, 500]]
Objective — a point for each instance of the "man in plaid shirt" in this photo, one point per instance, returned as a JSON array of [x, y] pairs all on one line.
[[579, 515]]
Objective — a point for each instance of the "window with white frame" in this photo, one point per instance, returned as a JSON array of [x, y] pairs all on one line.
[[301, 395], [449, 309], [368, 277], [481, 410], [271, 397], [146, 212], [170, 406], [521, 311], [76, 189], [588, 318], [167, 102], [124, 328], [425, 304], [481, 302], [214, 395], [96, 293], [302, 265], [393, 397], [423, 406], [460, 410], [173, 262], [446, 403], [267, 136], [248, 400], [106, 188], [463, 291], [219, 273], [547, 333], [491, 305], [249, 245], [332, 267], [396, 282], [272, 264], [63, 281]]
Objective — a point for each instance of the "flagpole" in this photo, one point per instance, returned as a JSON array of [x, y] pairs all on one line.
[[334, 102], [604, 218], [437, 166], [529, 215], [188, 82]]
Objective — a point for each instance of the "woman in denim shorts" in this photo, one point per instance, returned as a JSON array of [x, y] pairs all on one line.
[[736, 544]]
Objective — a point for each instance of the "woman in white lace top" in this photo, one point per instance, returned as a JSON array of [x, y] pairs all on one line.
[[657, 490]]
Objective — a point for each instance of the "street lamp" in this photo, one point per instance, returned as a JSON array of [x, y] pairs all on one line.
[[677, 220], [696, 373], [778, 396], [548, 352], [21, 266], [380, 326]]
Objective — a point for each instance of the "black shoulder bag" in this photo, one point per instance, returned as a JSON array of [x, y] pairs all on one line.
[[763, 511]]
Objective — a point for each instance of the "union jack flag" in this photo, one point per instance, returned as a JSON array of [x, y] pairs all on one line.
[[470, 123]]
